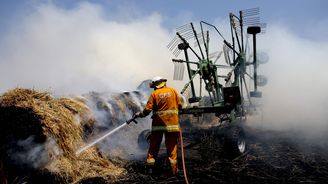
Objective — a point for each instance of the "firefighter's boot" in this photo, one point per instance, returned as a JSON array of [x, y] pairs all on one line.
[[174, 169], [150, 169]]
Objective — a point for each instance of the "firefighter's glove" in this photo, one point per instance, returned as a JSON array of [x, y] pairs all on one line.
[[138, 115], [135, 115]]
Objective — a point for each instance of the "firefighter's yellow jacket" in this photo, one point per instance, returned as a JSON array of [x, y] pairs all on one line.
[[165, 104]]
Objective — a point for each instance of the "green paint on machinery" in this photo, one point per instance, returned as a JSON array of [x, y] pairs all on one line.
[[228, 82], [234, 91]]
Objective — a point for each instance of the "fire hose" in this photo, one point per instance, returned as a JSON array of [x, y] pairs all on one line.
[[182, 158], [133, 119], [106, 135]]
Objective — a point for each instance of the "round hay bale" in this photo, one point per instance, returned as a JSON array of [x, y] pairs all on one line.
[[40, 133]]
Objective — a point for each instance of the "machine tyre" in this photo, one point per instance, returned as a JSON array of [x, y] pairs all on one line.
[[144, 139], [235, 141]]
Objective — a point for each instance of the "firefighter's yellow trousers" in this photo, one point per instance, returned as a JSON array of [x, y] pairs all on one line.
[[171, 142]]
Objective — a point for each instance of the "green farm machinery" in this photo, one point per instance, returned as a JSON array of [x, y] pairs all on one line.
[[228, 76]]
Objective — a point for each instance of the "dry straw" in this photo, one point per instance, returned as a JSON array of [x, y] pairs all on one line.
[[25, 113]]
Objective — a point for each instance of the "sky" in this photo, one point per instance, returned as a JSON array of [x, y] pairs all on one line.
[[72, 46], [19, 37], [300, 15]]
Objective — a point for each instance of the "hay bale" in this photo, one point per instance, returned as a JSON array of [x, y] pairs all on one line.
[[112, 110], [56, 126]]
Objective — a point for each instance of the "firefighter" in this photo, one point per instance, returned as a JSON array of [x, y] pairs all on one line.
[[164, 102]]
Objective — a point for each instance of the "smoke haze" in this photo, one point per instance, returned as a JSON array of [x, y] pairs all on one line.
[[33, 154], [296, 94], [79, 50]]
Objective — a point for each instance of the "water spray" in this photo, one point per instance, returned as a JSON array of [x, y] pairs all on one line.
[[105, 135]]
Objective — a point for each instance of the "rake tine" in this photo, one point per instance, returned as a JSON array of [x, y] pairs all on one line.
[[172, 48], [252, 19], [251, 23], [189, 37], [175, 45], [218, 57], [183, 26], [250, 14], [182, 67], [200, 36], [178, 71], [249, 75], [254, 11], [213, 54], [200, 42], [185, 33], [177, 52], [178, 65], [263, 25], [179, 74], [175, 72], [251, 11], [171, 42], [188, 34], [184, 29], [178, 68]]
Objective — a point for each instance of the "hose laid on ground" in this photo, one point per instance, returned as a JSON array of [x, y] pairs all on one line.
[[182, 158]]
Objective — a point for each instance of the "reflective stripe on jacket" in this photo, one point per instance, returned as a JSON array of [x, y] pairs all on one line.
[[164, 102], [167, 112], [167, 128]]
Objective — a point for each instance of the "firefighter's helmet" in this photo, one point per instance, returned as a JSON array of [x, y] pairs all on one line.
[[157, 82]]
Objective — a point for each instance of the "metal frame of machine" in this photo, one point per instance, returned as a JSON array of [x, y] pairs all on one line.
[[228, 98]]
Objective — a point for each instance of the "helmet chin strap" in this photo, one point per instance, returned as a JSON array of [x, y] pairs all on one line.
[[157, 85], [160, 85]]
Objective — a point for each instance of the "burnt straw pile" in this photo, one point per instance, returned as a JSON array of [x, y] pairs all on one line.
[[39, 136], [271, 157]]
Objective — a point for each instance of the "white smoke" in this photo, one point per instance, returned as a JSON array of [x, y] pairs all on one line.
[[296, 96], [112, 111], [33, 154], [80, 50]]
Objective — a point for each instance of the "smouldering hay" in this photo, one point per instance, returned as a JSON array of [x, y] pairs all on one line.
[[56, 123]]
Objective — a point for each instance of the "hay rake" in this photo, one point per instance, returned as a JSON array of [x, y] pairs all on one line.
[[225, 81]]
